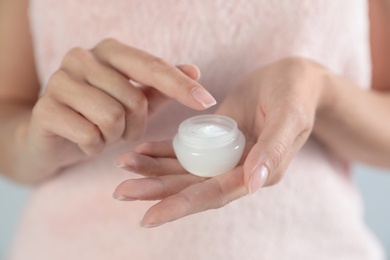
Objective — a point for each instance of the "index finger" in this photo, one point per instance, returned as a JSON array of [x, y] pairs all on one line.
[[210, 194], [150, 70]]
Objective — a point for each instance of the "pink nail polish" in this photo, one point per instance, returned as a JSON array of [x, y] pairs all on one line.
[[258, 178], [203, 97]]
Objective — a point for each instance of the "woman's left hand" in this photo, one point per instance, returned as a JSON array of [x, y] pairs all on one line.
[[274, 107]]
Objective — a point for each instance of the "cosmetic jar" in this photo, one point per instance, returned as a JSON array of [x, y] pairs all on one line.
[[208, 145]]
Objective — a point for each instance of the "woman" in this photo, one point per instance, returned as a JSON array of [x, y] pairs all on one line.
[[291, 75]]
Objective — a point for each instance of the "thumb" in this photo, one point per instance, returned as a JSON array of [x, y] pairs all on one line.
[[270, 156]]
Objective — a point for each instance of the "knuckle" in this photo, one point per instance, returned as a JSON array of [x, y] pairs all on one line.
[[299, 114], [295, 61], [137, 102], [105, 45], [278, 153], [296, 66], [76, 54], [57, 79], [157, 65], [107, 42], [220, 195], [90, 136], [112, 116], [301, 118], [186, 204]]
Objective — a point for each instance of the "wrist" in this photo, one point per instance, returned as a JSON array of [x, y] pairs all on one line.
[[327, 100], [29, 166], [26, 168], [320, 85]]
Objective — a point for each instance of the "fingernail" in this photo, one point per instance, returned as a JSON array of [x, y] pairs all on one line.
[[123, 198], [126, 167], [203, 97], [120, 198], [258, 178], [149, 225], [120, 165]]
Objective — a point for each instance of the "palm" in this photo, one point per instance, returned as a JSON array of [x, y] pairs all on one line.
[[274, 108], [181, 193]]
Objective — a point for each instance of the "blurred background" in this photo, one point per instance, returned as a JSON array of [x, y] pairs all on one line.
[[374, 185]]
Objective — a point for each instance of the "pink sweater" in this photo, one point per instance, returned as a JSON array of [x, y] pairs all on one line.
[[314, 213]]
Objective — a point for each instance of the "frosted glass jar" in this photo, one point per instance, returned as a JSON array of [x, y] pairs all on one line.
[[209, 145]]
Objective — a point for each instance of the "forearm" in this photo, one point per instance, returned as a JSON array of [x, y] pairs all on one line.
[[13, 118], [19, 90], [355, 123]]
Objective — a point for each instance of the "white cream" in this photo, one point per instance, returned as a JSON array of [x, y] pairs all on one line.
[[209, 145], [208, 130]]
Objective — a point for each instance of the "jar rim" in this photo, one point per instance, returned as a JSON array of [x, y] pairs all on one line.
[[208, 130]]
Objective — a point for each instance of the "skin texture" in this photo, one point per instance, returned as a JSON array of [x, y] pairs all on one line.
[[63, 117], [277, 122], [354, 128], [380, 41], [279, 115]]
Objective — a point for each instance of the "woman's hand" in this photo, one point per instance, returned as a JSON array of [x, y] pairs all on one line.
[[90, 102], [275, 108]]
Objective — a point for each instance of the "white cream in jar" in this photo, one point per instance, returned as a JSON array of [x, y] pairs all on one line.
[[209, 145]]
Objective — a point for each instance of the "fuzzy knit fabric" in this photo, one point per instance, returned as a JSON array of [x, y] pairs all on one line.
[[314, 213]]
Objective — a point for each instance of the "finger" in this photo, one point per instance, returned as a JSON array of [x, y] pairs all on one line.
[[156, 99], [60, 120], [157, 149], [210, 194], [154, 188], [155, 72], [149, 166], [95, 105], [190, 70], [282, 136], [82, 64]]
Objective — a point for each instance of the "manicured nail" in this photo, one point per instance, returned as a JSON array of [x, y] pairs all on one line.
[[258, 178], [203, 97], [125, 166], [120, 165], [149, 225], [123, 198]]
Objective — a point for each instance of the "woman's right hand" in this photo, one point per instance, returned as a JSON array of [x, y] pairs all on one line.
[[90, 101]]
